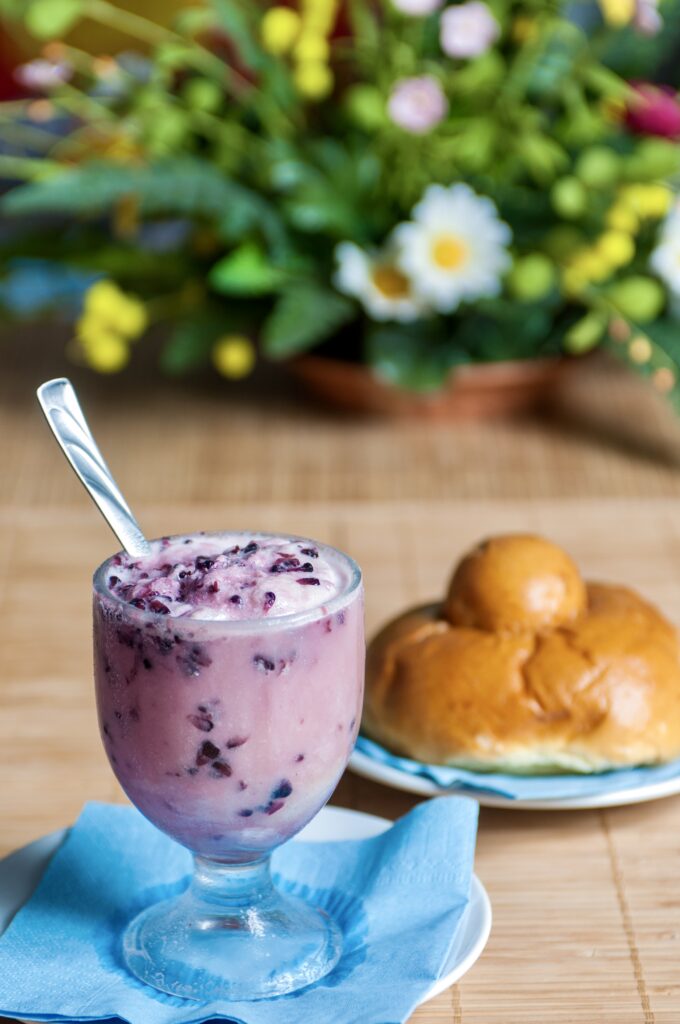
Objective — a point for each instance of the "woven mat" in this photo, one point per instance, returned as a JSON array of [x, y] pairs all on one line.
[[586, 904]]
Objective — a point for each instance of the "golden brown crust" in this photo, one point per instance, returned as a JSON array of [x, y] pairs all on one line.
[[515, 582], [602, 689]]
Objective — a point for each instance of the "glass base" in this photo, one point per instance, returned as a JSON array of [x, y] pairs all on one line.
[[231, 935]]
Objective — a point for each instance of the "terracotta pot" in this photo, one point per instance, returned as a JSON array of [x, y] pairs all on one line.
[[474, 391]]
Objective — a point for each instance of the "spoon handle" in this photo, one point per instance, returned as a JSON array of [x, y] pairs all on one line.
[[62, 411]]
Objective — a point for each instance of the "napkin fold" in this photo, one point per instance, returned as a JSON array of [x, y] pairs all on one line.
[[398, 899], [522, 787]]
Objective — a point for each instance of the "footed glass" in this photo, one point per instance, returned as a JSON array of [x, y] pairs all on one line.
[[229, 736]]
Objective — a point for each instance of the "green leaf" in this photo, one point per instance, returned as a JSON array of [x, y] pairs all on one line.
[[607, 83], [246, 271], [305, 314], [412, 356], [189, 346], [183, 186], [543, 157], [13, 8], [586, 333], [319, 208], [192, 21], [665, 334], [49, 18], [240, 27]]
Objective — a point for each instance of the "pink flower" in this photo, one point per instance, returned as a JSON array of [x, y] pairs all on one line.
[[417, 104], [654, 110], [417, 7], [468, 30], [647, 19], [42, 75]]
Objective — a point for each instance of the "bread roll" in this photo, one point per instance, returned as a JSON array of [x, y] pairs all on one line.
[[524, 668]]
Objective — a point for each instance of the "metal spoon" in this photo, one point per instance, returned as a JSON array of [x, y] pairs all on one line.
[[63, 413]]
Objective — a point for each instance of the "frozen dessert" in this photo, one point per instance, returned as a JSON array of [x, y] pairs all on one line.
[[228, 576], [229, 674]]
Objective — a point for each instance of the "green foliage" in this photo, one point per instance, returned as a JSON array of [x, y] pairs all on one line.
[[499, 329], [215, 127], [413, 356], [238, 21], [194, 20], [189, 345], [183, 186], [305, 314], [586, 333], [665, 337], [48, 19], [246, 271], [330, 192]]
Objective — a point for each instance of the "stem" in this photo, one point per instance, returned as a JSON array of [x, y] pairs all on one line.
[[231, 887], [149, 32], [126, 21], [199, 57], [80, 103]]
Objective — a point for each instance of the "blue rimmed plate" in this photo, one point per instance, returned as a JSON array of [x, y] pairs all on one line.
[[645, 784]]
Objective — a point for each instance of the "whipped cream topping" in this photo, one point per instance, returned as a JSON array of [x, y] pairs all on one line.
[[228, 576]]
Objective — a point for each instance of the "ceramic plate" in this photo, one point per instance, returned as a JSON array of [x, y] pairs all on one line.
[[22, 870], [364, 765]]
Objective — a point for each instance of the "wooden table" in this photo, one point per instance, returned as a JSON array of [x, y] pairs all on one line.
[[586, 904]]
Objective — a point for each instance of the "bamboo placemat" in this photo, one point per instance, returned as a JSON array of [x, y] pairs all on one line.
[[586, 904], [604, 433]]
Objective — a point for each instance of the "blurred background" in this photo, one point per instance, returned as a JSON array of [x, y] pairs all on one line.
[[396, 274], [345, 249]]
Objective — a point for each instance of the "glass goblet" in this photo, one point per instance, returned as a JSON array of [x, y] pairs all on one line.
[[229, 736]]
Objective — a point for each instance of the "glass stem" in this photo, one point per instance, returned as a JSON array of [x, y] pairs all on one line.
[[230, 888]]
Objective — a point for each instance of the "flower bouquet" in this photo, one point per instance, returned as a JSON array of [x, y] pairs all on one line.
[[414, 185]]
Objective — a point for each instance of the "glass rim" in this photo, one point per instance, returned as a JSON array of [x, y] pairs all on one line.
[[288, 621]]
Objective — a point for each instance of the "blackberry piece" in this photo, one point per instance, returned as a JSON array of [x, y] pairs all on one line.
[[283, 790], [206, 752]]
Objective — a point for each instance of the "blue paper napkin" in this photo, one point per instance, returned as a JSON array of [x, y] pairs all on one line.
[[398, 898], [522, 787]]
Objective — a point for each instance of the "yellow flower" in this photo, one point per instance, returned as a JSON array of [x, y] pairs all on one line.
[[314, 80], [313, 47], [647, 200], [618, 12], [103, 349], [621, 218], [279, 29], [616, 247], [656, 200], [319, 15], [591, 265], [120, 313], [234, 356]]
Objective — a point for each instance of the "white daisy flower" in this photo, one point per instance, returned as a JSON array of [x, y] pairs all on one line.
[[376, 281], [665, 259], [455, 248]]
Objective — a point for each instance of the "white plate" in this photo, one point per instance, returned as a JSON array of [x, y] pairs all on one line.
[[364, 765], [22, 870]]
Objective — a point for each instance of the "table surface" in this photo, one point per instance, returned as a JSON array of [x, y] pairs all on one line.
[[586, 904]]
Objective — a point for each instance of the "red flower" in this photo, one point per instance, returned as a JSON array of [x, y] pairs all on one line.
[[654, 110]]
